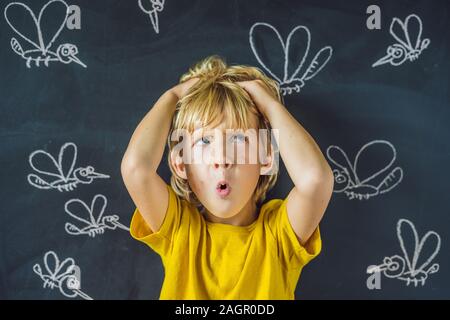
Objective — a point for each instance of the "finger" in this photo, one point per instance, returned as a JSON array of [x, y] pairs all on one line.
[[242, 83]]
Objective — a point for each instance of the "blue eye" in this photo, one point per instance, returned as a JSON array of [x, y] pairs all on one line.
[[203, 140], [239, 138]]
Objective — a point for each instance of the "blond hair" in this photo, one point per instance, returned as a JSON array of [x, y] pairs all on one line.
[[213, 97]]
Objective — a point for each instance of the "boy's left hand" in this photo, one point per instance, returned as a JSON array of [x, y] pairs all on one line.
[[260, 94]]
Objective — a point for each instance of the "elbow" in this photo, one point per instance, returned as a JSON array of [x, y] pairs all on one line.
[[128, 166], [328, 176], [130, 173], [327, 179], [133, 169], [125, 169], [322, 174], [322, 179]]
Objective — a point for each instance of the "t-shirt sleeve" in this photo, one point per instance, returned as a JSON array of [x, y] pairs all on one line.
[[292, 254], [162, 240]]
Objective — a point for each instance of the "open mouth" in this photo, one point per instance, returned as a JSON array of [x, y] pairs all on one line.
[[223, 189]]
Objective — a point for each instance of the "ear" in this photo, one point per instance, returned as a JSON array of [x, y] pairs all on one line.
[[176, 160], [268, 163]]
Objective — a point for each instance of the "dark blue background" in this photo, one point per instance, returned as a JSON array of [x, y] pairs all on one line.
[[348, 104]]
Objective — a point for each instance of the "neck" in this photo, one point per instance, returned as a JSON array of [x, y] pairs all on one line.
[[246, 216]]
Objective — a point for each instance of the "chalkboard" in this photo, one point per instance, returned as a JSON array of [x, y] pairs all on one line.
[[377, 105]]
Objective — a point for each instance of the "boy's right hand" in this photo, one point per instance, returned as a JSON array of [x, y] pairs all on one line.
[[181, 89]]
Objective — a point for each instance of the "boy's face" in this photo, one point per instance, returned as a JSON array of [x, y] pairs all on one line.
[[225, 168]]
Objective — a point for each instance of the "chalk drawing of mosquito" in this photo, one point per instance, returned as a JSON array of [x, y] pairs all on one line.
[[288, 80], [157, 6], [409, 44], [41, 52], [60, 175], [357, 184], [61, 275], [92, 220], [410, 268]]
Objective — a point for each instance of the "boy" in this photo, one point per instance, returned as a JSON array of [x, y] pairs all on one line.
[[215, 237]]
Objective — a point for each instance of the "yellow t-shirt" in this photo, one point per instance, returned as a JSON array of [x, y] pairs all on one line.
[[206, 260]]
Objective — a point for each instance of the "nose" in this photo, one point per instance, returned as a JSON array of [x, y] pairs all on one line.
[[223, 165], [221, 160]]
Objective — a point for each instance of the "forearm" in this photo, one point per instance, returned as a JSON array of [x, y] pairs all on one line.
[[146, 146], [301, 155]]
